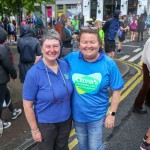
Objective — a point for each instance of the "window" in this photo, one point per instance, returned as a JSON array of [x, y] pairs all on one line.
[[60, 7]]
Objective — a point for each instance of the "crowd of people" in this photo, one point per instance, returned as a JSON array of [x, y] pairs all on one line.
[[75, 88]]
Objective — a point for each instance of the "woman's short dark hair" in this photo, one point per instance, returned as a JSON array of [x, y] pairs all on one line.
[[50, 35]]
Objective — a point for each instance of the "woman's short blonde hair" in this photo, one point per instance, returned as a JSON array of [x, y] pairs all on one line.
[[97, 21]]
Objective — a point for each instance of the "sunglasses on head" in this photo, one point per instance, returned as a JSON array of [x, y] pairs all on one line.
[[89, 28]]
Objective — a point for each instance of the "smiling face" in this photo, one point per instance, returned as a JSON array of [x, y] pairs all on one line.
[[50, 50], [89, 46]]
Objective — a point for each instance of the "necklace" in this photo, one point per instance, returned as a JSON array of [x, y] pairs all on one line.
[[50, 84]]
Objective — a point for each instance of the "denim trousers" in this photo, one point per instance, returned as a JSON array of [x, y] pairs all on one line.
[[89, 135]]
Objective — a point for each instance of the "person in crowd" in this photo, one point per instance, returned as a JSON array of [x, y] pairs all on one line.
[[133, 28], [121, 33], [144, 93], [29, 48], [48, 88], [48, 20], [8, 103], [5, 22], [76, 23], [10, 30], [54, 21], [15, 31], [91, 78], [110, 29], [23, 22], [67, 37], [1, 24], [82, 21], [148, 24], [98, 24], [140, 28], [7, 70]]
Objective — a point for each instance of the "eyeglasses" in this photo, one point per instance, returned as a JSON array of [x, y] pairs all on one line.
[[89, 28], [55, 47]]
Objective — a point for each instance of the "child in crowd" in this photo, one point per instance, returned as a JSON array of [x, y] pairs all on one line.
[[100, 31]]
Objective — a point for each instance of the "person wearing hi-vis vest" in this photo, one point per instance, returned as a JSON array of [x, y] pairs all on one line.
[[75, 23]]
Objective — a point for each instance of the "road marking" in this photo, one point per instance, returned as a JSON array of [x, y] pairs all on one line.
[[137, 50], [135, 57], [128, 45], [72, 133], [124, 57], [140, 63], [73, 144]]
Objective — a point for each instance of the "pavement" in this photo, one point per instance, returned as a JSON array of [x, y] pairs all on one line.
[[17, 136]]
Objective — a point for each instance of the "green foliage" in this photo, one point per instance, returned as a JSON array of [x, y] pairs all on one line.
[[9, 7]]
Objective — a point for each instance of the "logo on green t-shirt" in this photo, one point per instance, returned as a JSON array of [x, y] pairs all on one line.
[[87, 83]]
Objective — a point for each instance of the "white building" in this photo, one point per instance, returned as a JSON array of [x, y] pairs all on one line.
[[103, 9]]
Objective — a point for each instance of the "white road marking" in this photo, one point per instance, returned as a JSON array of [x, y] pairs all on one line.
[[135, 57], [124, 57], [129, 45], [137, 50]]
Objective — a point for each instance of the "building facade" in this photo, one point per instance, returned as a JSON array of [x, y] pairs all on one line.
[[103, 9]]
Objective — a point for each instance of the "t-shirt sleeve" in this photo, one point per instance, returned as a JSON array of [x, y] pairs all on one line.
[[30, 88], [116, 80]]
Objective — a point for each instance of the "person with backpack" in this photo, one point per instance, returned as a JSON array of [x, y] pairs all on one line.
[[133, 28], [29, 48], [110, 29], [10, 30], [121, 33]]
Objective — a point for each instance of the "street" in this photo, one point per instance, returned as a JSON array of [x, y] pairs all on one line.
[[129, 128]]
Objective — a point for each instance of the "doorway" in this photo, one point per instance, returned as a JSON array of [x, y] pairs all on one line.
[[93, 9]]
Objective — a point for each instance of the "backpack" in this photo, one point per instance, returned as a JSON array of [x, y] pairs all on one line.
[[112, 29], [27, 54]]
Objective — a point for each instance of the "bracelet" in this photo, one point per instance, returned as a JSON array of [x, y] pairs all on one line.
[[35, 131]]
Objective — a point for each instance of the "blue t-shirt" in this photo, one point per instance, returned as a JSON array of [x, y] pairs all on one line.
[[51, 102], [91, 80]]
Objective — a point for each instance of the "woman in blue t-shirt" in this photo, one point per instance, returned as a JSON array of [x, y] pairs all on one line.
[[46, 97], [92, 73]]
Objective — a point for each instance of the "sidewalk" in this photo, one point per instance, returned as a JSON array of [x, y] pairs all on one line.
[[18, 135]]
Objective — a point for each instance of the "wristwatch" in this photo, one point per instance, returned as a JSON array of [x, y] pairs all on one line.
[[112, 113]]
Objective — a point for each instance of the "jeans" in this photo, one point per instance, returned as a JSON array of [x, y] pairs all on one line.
[[89, 135]]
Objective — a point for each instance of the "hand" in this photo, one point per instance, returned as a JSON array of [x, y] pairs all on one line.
[[37, 59], [74, 36], [109, 121], [37, 137]]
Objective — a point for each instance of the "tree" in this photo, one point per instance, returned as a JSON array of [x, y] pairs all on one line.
[[14, 7]]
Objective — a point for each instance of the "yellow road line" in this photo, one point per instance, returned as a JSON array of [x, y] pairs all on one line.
[[73, 144], [72, 133], [140, 63]]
